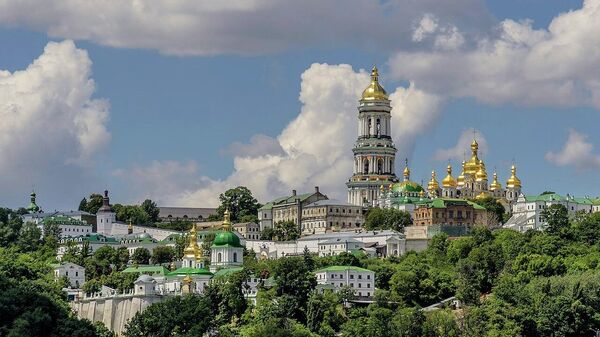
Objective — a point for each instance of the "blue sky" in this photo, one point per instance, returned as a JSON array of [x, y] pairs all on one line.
[[188, 108]]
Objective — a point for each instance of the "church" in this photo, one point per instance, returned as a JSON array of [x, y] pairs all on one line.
[[374, 182]]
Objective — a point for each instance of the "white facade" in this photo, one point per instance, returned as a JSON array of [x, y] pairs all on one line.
[[326, 215], [226, 257], [249, 230], [527, 211], [339, 245], [265, 218], [362, 281], [75, 273]]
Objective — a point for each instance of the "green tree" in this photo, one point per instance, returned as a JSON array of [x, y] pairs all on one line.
[[141, 256], [557, 218], [294, 279], [29, 237], [133, 213], [83, 205], [151, 209], [187, 315], [286, 230], [493, 207], [162, 254], [240, 203], [94, 203], [387, 218]]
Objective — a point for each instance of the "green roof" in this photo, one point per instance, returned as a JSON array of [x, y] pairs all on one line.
[[342, 268], [150, 270], [227, 271], [189, 271], [445, 202], [226, 238], [407, 186], [557, 197], [286, 200]]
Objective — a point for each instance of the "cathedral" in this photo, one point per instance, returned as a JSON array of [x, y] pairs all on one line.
[[374, 183]]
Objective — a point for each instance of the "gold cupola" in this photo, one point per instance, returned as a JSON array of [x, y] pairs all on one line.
[[472, 166], [513, 181], [192, 250], [449, 181], [433, 185], [374, 91], [495, 185], [481, 174], [406, 172], [460, 180]]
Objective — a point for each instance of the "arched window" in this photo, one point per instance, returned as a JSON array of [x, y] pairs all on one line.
[[219, 257], [234, 257], [366, 166], [378, 127], [379, 166]]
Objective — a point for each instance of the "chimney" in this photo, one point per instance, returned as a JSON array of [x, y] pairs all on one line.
[[316, 189], [293, 193]]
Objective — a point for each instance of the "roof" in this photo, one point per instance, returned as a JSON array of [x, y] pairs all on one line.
[[186, 212], [364, 234], [227, 271], [445, 202], [145, 279], [288, 200], [343, 268], [227, 239], [65, 264], [557, 197], [91, 238], [154, 270], [329, 202], [189, 271], [62, 220], [340, 240]]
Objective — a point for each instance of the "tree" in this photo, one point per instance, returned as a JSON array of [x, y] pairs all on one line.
[[240, 203], [29, 237], [51, 233], [83, 205], [133, 213], [187, 315], [557, 218], [387, 218], [293, 279], [162, 254], [495, 211], [94, 203], [286, 230], [141, 256], [267, 234], [151, 209]]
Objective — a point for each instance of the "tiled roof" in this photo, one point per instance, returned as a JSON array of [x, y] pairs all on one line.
[[343, 268]]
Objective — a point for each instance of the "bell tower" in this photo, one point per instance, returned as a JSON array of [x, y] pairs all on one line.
[[374, 150]]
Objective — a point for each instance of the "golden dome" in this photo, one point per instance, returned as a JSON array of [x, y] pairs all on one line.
[[192, 249], [187, 279], [226, 220], [449, 180], [481, 174], [513, 181], [460, 180], [482, 195], [406, 172], [374, 91], [433, 185], [472, 166], [495, 185]]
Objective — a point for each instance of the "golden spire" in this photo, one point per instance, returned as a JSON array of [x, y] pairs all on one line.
[[449, 180], [129, 227], [421, 194], [433, 185], [460, 180], [495, 185], [381, 188], [374, 91], [192, 249], [226, 221], [406, 172], [187, 279], [481, 174], [513, 181]]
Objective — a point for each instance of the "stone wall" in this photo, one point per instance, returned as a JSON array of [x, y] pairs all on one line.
[[114, 311]]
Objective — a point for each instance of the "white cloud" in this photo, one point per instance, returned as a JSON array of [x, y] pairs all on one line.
[[576, 152], [207, 27], [557, 66], [51, 127], [259, 145], [316, 145], [427, 25], [447, 37], [462, 149]]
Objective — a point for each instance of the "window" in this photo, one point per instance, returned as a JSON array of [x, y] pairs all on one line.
[[219, 257], [359, 285], [360, 277], [352, 277], [368, 277], [235, 257]]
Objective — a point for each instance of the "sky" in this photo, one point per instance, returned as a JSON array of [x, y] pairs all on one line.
[[178, 102]]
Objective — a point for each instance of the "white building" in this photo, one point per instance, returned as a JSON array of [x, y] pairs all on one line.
[[73, 272], [361, 280], [339, 245], [287, 208], [527, 211], [326, 215], [249, 230]]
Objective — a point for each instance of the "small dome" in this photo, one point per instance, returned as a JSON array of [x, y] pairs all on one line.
[[513, 181], [481, 174], [227, 238], [407, 186], [433, 185], [495, 185], [374, 91], [145, 279], [449, 180]]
